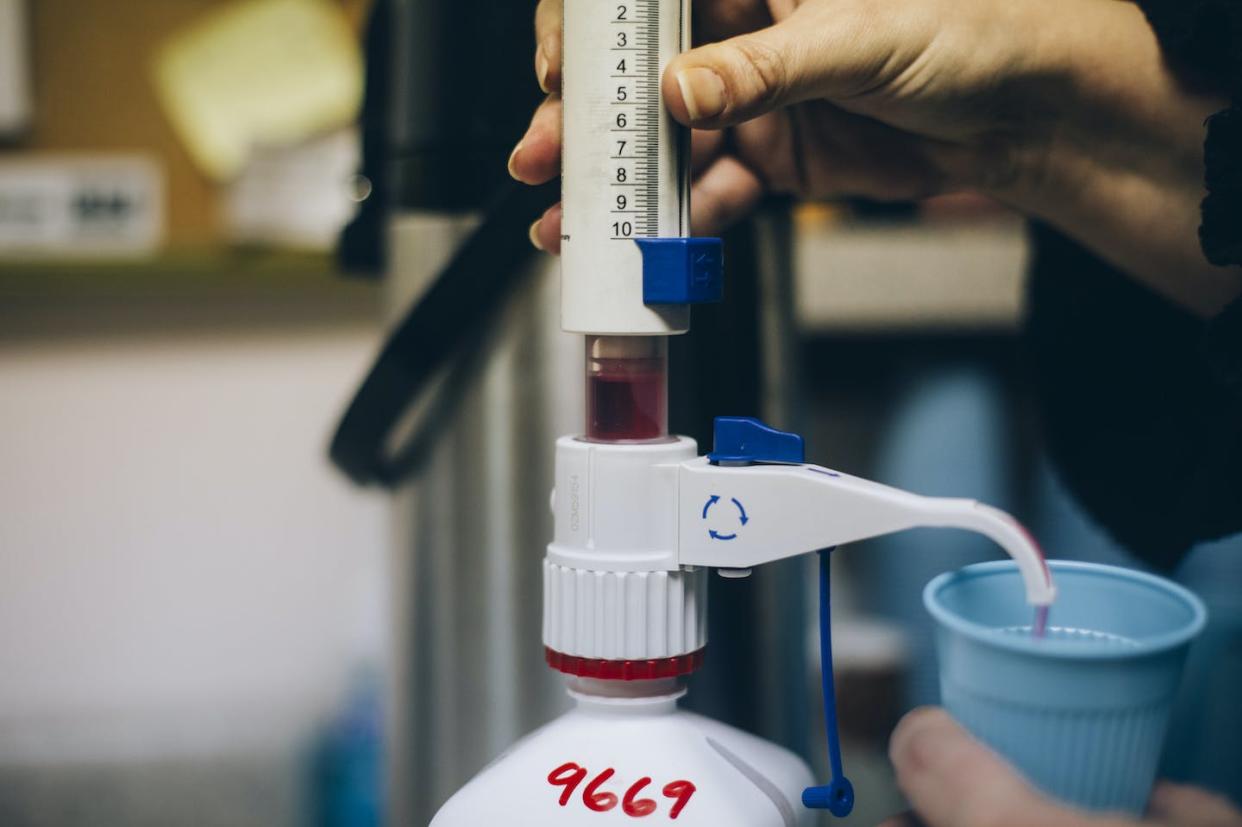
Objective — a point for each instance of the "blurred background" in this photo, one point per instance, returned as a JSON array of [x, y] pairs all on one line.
[[213, 213]]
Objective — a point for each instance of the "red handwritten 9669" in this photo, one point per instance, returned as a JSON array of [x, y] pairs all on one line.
[[570, 775]]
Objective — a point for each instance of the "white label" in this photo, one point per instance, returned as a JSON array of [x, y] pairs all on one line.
[[295, 196], [95, 205]]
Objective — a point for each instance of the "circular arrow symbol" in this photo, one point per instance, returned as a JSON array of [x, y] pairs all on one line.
[[743, 517]]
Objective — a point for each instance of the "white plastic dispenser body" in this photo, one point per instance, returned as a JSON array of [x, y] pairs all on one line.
[[637, 525], [614, 589], [626, 753]]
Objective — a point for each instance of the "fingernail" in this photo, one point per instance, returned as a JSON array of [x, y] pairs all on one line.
[[703, 91], [512, 159], [534, 236], [541, 68]]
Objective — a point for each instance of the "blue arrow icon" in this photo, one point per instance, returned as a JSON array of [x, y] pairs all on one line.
[[715, 498], [742, 516]]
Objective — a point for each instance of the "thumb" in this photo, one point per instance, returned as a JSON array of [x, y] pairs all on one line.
[[952, 780], [820, 50], [1189, 807]]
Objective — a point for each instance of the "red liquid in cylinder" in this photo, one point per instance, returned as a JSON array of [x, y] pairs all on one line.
[[626, 402]]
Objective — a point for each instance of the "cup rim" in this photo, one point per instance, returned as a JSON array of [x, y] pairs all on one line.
[[1063, 649]]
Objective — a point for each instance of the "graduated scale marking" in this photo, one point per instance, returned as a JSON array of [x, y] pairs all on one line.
[[634, 124]]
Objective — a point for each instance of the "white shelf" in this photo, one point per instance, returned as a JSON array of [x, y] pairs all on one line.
[[939, 275]]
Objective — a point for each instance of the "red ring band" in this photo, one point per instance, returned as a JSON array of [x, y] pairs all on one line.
[[624, 670]]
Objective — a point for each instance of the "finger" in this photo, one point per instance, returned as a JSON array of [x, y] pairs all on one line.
[[549, 25], [1191, 807], [766, 144], [822, 50], [720, 19], [705, 148], [951, 780], [537, 157], [545, 234], [723, 195], [857, 155]]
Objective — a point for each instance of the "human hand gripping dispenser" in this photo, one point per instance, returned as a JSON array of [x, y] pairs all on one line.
[[640, 517]]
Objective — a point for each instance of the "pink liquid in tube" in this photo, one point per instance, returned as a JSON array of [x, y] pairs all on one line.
[[627, 389], [1040, 629]]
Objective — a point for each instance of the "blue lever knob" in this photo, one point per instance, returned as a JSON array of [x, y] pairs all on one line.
[[745, 440]]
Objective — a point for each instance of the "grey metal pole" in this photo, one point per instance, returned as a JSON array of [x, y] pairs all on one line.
[[467, 670]]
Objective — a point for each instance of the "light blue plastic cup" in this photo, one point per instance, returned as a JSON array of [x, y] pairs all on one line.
[[1081, 712]]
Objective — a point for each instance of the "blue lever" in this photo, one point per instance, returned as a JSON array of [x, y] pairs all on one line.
[[743, 440], [837, 796]]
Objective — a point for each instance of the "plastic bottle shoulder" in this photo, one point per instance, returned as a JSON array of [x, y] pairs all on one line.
[[587, 768]]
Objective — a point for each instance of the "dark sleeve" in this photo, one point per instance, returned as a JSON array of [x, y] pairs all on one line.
[[1142, 402], [1203, 40], [1140, 426]]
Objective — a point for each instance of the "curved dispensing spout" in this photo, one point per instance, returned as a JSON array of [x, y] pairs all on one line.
[[1006, 532], [753, 501]]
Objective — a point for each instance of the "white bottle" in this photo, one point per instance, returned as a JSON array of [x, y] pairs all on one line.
[[626, 753]]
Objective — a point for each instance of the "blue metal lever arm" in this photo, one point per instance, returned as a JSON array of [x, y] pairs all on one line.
[[837, 796]]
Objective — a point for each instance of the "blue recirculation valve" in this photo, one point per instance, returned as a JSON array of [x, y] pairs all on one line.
[[837, 796], [682, 270], [744, 440]]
